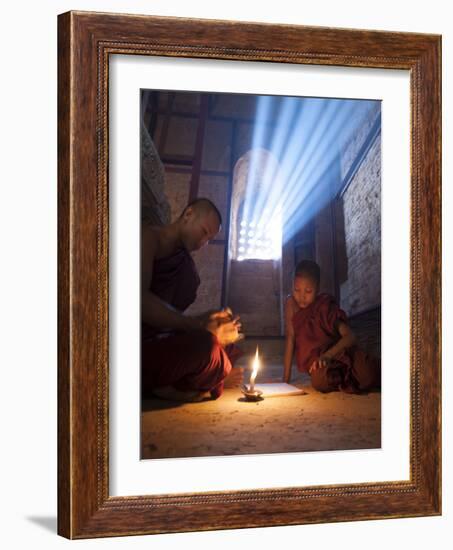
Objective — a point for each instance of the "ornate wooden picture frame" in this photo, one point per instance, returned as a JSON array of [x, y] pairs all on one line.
[[85, 42]]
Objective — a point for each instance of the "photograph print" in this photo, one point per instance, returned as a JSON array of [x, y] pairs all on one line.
[[260, 274]]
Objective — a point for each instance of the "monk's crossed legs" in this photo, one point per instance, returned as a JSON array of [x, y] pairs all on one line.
[[184, 366]]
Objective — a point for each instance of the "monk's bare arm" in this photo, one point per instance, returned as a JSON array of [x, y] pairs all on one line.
[[348, 339], [289, 341], [156, 312]]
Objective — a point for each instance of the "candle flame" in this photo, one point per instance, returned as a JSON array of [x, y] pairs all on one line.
[[256, 366]]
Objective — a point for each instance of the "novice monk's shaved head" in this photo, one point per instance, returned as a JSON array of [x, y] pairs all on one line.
[[306, 283], [310, 269]]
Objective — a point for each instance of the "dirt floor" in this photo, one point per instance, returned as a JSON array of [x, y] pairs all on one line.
[[232, 426]]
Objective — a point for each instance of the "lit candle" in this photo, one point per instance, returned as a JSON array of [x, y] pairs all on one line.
[[256, 366]]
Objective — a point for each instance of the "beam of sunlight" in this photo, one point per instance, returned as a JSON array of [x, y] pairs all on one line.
[[306, 143], [318, 178], [299, 155], [286, 125], [263, 110], [306, 175]]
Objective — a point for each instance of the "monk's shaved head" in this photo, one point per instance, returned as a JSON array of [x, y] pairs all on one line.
[[202, 206], [198, 223]]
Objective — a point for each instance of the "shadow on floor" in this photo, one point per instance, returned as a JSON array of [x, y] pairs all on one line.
[[49, 523], [156, 404]]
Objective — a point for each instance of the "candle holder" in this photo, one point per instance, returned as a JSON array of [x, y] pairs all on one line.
[[251, 394]]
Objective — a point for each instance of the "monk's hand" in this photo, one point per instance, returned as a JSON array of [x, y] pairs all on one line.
[[228, 332], [209, 318], [320, 363], [225, 328]]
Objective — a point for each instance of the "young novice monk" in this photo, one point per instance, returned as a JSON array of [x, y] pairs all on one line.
[[317, 331]]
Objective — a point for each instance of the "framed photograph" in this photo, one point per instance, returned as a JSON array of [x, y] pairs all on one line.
[[249, 275]]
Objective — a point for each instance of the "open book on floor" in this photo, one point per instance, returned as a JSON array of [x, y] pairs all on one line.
[[279, 389]]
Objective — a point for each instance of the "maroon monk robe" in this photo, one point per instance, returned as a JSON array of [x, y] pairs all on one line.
[[175, 280], [192, 361], [315, 331]]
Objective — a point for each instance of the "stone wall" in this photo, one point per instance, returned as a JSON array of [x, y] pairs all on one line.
[[362, 219], [254, 294], [362, 122]]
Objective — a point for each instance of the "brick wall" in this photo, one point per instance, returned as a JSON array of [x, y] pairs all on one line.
[[362, 220], [254, 294]]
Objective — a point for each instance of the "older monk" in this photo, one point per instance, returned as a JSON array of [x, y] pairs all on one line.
[[184, 358]]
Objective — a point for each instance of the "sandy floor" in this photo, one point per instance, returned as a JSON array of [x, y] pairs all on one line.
[[231, 426]]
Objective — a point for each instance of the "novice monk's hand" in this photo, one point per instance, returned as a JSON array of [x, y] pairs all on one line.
[[322, 362]]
